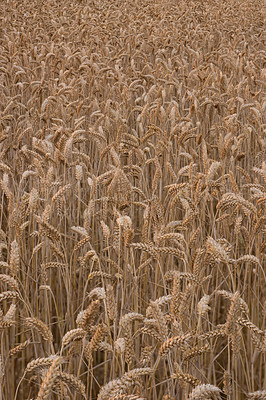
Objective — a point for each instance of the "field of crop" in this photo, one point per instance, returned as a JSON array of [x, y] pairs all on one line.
[[132, 200]]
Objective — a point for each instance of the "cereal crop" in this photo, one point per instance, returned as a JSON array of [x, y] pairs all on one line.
[[132, 200]]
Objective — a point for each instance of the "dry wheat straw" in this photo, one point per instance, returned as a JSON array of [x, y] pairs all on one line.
[[132, 199]]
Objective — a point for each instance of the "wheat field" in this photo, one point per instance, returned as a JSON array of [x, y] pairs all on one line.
[[132, 200]]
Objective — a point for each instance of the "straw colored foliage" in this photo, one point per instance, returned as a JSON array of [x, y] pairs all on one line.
[[132, 200]]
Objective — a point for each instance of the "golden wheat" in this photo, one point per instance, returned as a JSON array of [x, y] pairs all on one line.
[[132, 199]]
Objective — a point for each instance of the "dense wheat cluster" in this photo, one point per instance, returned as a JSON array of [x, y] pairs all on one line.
[[132, 200]]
